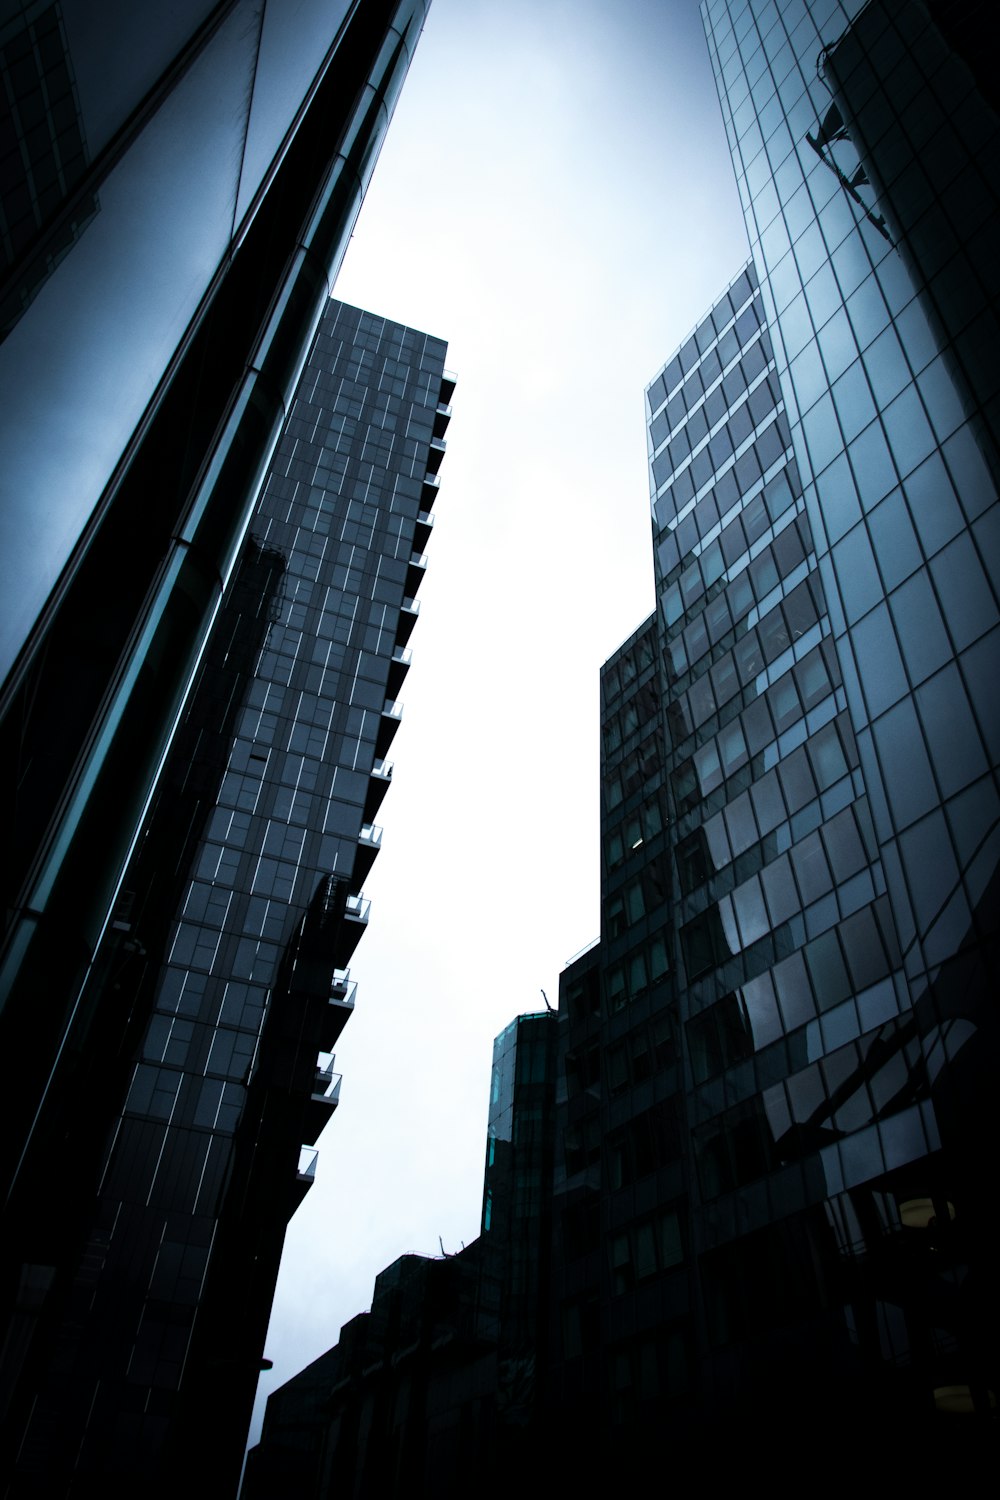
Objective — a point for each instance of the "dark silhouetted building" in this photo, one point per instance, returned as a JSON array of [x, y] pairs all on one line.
[[200, 1071], [442, 1380]]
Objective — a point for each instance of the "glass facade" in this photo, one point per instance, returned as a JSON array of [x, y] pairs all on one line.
[[805, 1083], [201, 1060], [880, 357], [775, 1070], [864, 140]]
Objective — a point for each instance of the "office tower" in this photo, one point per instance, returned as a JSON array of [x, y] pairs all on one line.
[[878, 330], [786, 1226], [180, 185], [441, 1380], [516, 1219], [220, 988], [864, 139]]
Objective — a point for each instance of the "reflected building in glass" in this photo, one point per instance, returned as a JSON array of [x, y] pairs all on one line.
[[200, 1070], [808, 1115]]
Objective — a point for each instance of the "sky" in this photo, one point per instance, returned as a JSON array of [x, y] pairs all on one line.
[[555, 198]]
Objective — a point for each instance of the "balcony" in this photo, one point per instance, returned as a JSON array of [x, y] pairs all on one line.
[[378, 785], [389, 721], [369, 842], [339, 1008], [449, 380], [415, 570], [435, 453], [428, 490], [326, 1083], [324, 1097], [442, 417], [422, 531], [358, 908], [351, 929], [408, 612], [306, 1174], [398, 668]]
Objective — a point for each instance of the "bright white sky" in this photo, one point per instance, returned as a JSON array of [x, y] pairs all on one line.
[[556, 199]]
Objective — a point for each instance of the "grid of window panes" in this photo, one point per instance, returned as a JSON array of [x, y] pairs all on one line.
[[786, 941], [876, 349], [338, 518], [870, 196]]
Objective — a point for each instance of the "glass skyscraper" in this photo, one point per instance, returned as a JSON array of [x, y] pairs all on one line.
[[864, 139], [777, 1115], [199, 1071], [879, 336]]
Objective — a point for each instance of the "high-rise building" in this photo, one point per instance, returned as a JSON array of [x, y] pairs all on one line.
[[782, 1142], [200, 1071], [180, 183], [864, 139]]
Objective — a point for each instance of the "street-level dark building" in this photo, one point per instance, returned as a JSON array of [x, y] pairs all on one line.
[[179, 186], [199, 1071], [438, 1388]]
